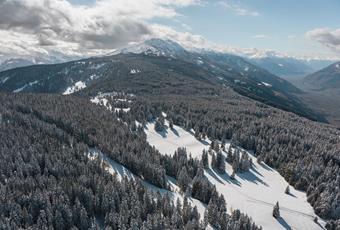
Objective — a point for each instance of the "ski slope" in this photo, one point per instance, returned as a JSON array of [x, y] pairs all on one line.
[[254, 192]]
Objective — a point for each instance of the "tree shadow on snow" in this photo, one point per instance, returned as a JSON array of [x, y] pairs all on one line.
[[212, 173], [254, 168], [284, 223], [291, 194], [163, 133], [250, 176], [175, 132], [204, 142], [217, 176], [266, 167]]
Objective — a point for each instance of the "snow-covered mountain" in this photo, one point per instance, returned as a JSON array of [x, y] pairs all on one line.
[[10, 62], [157, 59], [153, 46], [14, 63]]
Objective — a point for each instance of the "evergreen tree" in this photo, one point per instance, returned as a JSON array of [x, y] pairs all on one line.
[[287, 190], [204, 159], [276, 210], [183, 180]]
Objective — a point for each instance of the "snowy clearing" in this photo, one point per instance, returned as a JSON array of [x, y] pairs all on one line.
[[254, 192], [79, 85], [102, 99], [168, 141]]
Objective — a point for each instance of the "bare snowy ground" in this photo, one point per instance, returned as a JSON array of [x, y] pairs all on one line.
[[254, 192], [169, 140]]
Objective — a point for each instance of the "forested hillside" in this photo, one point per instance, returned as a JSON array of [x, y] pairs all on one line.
[[161, 67], [306, 153], [47, 180]]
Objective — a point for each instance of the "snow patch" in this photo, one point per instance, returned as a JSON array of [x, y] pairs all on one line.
[[102, 101], [97, 66], [199, 62], [170, 140], [266, 84], [125, 110], [134, 71], [79, 85], [25, 86], [280, 65], [94, 76], [4, 80]]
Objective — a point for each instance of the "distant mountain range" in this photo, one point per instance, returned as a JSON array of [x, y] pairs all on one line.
[[142, 67], [288, 66], [327, 78]]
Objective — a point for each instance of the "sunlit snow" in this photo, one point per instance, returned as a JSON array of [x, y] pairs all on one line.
[[79, 85], [254, 192]]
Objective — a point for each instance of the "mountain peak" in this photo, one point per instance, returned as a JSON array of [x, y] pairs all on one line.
[[154, 46]]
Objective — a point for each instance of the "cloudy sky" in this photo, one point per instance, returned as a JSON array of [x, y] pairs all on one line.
[[90, 27]]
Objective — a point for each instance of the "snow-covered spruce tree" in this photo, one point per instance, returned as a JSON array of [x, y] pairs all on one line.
[[213, 160], [159, 127], [230, 156], [220, 162], [232, 176], [183, 179], [171, 124], [245, 162], [204, 159], [287, 190], [276, 210]]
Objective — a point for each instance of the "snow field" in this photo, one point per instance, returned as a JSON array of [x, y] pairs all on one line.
[[254, 192]]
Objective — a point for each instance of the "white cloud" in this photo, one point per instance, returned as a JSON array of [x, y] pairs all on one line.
[[262, 36], [326, 37], [238, 9], [41, 26]]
